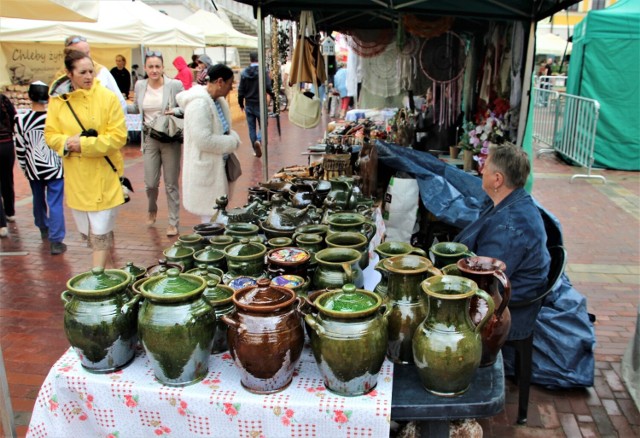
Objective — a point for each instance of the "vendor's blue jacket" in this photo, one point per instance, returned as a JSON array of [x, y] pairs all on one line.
[[513, 231]]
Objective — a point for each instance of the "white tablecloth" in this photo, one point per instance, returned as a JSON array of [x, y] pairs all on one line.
[[131, 403], [376, 115]]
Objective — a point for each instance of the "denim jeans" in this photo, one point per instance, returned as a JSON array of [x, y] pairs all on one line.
[[253, 119], [48, 211]]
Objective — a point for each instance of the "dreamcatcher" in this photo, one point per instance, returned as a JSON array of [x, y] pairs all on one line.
[[407, 61], [369, 43], [381, 73], [442, 59]]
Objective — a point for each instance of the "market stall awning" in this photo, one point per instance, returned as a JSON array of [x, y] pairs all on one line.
[[359, 14], [551, 44], [217, 32], [123, 23], [59, 10]]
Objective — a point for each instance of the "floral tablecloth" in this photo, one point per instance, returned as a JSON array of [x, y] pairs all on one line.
[[132, 403], [134, 122]]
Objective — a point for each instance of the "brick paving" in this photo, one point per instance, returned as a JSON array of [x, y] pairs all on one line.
[[601, 233]]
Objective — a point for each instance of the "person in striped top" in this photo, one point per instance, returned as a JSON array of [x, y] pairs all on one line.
[[42, 167]]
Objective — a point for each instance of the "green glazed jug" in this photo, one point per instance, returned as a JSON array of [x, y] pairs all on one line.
[[446, 253], [387, 249], [337, 267], [447, 346], [408, 308]]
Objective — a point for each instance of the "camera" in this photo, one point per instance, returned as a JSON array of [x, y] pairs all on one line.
[[89, 133]]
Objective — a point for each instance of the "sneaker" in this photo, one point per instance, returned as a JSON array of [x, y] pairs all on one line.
[[58, 248], [151, 218], [172, 230], [4, 232], [11, 218], [257, 149], [44, 233]]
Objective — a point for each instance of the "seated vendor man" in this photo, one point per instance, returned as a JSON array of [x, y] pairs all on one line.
[[512, 230]]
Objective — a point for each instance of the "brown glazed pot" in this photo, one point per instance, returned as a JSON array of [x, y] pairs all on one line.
[[487, 272], [289, 260], [265, 336]]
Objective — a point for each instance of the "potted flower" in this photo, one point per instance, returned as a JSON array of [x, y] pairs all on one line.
[[477, 138]]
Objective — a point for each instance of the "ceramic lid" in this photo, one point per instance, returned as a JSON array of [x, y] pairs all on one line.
[[349, 302], [288, 255], [243, 227], [263, 297], [190, 238], [245, 248], [173, 287], [99, 280], [242, 282], [178, 251], [290, 281], [217, 293], [208, 227], [161, 268], [133, 270], [209, 254]]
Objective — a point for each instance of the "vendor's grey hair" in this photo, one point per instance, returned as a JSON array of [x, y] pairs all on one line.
[[512, 161]]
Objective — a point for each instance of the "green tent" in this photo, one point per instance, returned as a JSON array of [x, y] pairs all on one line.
[[605, 66]]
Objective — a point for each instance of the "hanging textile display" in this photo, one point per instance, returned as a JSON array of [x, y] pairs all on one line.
[[442, 59], [408, 67], [426, 28], [380, 73], [369, 43]]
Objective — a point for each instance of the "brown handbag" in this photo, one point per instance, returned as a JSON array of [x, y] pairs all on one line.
[[307, 58]]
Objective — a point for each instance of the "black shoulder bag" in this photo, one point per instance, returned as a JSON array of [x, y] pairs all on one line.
[[124, 181]]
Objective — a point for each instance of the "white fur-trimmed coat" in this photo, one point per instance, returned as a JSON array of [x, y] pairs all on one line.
[[203, 175]]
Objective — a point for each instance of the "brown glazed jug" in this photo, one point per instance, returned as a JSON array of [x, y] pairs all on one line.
[[265, 336], [487, 272], [408, 306]]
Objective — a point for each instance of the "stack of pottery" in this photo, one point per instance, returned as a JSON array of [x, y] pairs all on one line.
[[265, 336], [447, 346], [177, 327], [409, 309], [100, 318], [487, 272], [348, 339]]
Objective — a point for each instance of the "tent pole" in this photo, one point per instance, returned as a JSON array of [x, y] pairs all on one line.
[[526, 83], [263, 93]]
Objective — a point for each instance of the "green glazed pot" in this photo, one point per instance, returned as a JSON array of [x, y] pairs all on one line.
[[180, 255], [265, 336], [447, 253], [207, 272], [351, 222], [100, 319], [337, 267], [388, 249], [408, 308], [319, 229], [194, 240], [210, 257], [241, 230], [162, 267], [279, 242], [245, 258], [136, 272], [220, 297], [294, 282], [221, 242], [349, 339], [177, 327], [357, 241], [310, 242], [447, 346]]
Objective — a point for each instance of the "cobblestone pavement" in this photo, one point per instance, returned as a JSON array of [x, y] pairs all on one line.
[[601, 233]]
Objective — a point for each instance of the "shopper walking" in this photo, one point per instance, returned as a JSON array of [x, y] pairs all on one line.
[[208, 138], [43, 168], [249, 100], [85, 124], [122, 76], [7, 160], [155, 96]]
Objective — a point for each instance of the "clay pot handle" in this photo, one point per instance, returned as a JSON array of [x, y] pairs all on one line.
[[485, 296], [506, 295], [66, 297], [313, 323], [369, 230], [433, 271], [419, 251], [349, 272], [233, 323], [380, 267], [386, 310], [130, 305]]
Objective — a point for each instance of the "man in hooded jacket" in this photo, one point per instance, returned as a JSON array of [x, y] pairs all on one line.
[[249, 100]]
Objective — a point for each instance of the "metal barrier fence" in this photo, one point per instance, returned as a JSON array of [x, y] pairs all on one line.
[[566, 124]]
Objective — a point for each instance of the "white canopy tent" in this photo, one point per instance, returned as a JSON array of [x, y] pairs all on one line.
[[62, 10], [125, 23], [217, 32], [552, 44]]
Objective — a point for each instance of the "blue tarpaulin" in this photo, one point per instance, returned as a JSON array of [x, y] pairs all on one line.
[[564, 337]]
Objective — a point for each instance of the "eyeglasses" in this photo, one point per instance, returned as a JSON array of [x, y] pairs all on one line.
[[149, 53], [75, 40]]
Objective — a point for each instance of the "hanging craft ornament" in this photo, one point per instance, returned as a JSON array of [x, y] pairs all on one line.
[[275, 64], [442, 59], [369, 43], [381, 73], [426, 28]]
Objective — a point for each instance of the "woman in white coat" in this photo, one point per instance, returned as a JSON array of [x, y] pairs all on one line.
[[208, 139]]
